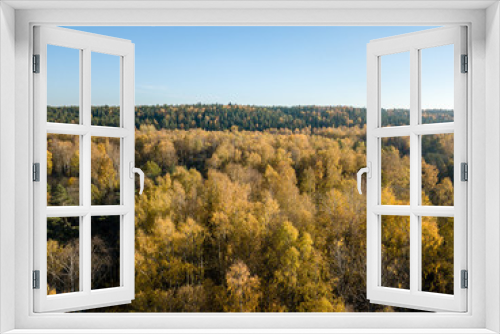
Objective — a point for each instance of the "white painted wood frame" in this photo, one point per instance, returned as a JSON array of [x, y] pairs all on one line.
[[86, 43], [415, 297]]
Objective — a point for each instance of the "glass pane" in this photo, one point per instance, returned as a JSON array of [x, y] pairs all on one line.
[[437, 169], [396, 171], [395, 89], [437, 84], [396, 252], [437, 254], [63, 255], [63, 170], [63, 84], [105, 89], [105, 252], [105, 171]]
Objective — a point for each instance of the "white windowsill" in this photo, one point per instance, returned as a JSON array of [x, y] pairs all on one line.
[[252, 331]]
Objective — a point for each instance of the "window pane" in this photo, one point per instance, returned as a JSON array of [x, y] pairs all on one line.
[[105, 89], [395, 89], [437, 84], [396, 252], [63, 255], [395, 171], [63, 84], [437, 254], [105, 171], [105, 252], [437, 169], [63, 170]]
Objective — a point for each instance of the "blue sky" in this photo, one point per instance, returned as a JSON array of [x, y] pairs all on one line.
[[252, 65]]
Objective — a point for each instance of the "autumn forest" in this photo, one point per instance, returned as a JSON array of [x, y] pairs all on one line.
[[249, 208]]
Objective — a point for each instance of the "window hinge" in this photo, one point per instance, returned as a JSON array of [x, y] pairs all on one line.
[[36, 63], [464, 171], [465, 64], [465, 279], [36, 279], [36, 172]]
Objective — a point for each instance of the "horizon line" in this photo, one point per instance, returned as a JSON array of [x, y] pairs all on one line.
[[248, 105]]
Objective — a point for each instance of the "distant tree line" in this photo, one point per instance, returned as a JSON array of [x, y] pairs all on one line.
[[220, 117]]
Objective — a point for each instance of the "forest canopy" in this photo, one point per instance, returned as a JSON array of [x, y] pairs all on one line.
[[252, 209]]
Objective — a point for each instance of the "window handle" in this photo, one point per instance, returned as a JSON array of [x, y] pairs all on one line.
[[368, 171], [134, 170]]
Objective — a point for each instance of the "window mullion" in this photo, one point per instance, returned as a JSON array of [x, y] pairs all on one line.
[[415, 192], [66, 211], [422, 210], [420, 129], [434, 128], [86, 163], [85, 160]]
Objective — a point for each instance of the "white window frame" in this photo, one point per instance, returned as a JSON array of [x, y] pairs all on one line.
[[413, 43], [484, 49], [86, 44]]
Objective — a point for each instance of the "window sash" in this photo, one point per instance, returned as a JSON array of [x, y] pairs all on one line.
[[86, 297], [413, 298]]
